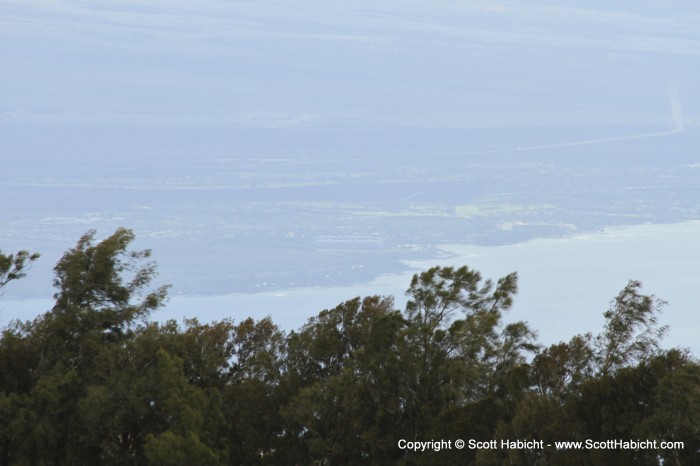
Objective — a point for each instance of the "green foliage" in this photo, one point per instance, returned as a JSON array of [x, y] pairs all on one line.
[[345, 374], [92, 284], [14, 266], [560, 370], [170, 449], [93, 382], [630, 332], [252, 396]]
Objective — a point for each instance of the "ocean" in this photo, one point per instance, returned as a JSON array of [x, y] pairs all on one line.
[[565, 284]]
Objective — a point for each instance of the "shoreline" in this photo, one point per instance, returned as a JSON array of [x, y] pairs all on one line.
[[564, 283]]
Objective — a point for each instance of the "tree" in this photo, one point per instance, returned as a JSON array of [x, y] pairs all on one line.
[[102, 294], [561, 369], [92, 381], [616, 385], [631, 333], [677, 405], [344, 377], [252, 394], [92, 283], [14, 266]]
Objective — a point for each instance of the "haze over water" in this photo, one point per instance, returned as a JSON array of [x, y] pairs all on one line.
[[335, 149]]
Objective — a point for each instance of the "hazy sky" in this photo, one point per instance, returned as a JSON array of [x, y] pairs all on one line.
[[283, 63]]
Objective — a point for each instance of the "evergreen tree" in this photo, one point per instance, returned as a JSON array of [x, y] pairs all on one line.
[[93, 382]]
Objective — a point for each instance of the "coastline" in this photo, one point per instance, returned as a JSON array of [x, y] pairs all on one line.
[[565, 284]]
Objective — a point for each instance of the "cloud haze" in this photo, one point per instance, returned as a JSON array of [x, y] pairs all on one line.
[[270, 64]]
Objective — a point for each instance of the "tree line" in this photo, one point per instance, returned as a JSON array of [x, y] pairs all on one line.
[[94, 381]]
